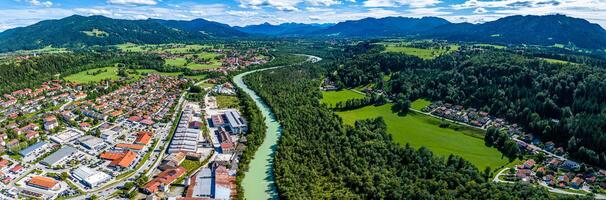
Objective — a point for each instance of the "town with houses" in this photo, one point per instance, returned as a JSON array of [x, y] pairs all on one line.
[[144, 140], [546, 163]]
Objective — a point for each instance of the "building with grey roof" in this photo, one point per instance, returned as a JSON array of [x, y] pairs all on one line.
[[90, 177], [202, 187], [59, 156], [91, 142], [237, 124]]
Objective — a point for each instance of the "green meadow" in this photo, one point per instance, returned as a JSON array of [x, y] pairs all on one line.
[[111, 73], [182, 62], [555, 61], [420, 104], [422, 130], [91, 75], [331, 98], [430, 53]]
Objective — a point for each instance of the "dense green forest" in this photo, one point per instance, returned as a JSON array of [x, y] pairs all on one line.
[[563, 103], [320, 158]]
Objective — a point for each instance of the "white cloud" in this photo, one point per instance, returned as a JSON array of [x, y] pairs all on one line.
[[39, 3], [480, 10], [133, 2], [241, 13], [398, 3], [322, 2]]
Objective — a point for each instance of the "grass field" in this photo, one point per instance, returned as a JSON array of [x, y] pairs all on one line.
[[421, 53], [181, 62], [331, 98], [555, 61], [227, 101], [422, 130], [420, 104], [491, 45], [83, 77]]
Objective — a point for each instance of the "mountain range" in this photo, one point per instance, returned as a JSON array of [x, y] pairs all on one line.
[[76, 31]]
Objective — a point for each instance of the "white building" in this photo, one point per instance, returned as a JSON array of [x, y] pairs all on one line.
[[90, 177]]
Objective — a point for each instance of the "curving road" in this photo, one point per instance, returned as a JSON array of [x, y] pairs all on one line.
[[259, 180]]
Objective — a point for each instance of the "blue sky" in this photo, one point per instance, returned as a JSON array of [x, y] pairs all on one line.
[[15, 13]]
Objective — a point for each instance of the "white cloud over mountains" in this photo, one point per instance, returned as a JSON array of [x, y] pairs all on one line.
[[133, 2], [244, 12]]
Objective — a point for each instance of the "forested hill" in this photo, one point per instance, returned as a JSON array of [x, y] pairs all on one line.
[[536, 30], [202, 26], [540, 30], [77, 31]]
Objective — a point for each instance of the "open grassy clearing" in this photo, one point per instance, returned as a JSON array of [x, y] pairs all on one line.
[[96, 33], [94, 75], [331, 98], [430, 53], [182, 62], [555, 61], [224, 101], [169, 48], [422, 130], [491, 45], [420, 104]]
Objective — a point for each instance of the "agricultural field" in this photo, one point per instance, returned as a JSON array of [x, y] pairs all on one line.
[[182, 62], [422, 130], [99, 74], [227, 101], [430, 53], [491, 45], [331, 98], [94, 75], [168, 48]]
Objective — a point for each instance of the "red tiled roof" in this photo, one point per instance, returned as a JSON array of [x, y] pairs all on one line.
[[125, 160], [164, 178], [129, 146], [111, 156], [143, 138], [43, 182], [16, 168]]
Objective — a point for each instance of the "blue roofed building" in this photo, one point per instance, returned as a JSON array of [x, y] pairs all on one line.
[[35, 149]]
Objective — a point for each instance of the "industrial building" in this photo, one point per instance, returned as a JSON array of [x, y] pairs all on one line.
[[201, 184], [185, 138], [237, 124], [91, 142], [36, 148], [89, 177], [59, 156]]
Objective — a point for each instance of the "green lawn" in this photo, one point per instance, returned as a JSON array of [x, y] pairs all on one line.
[[83, 77], [420, 104], [227, 101], [331, 98], [422, 130], [421, 53]]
